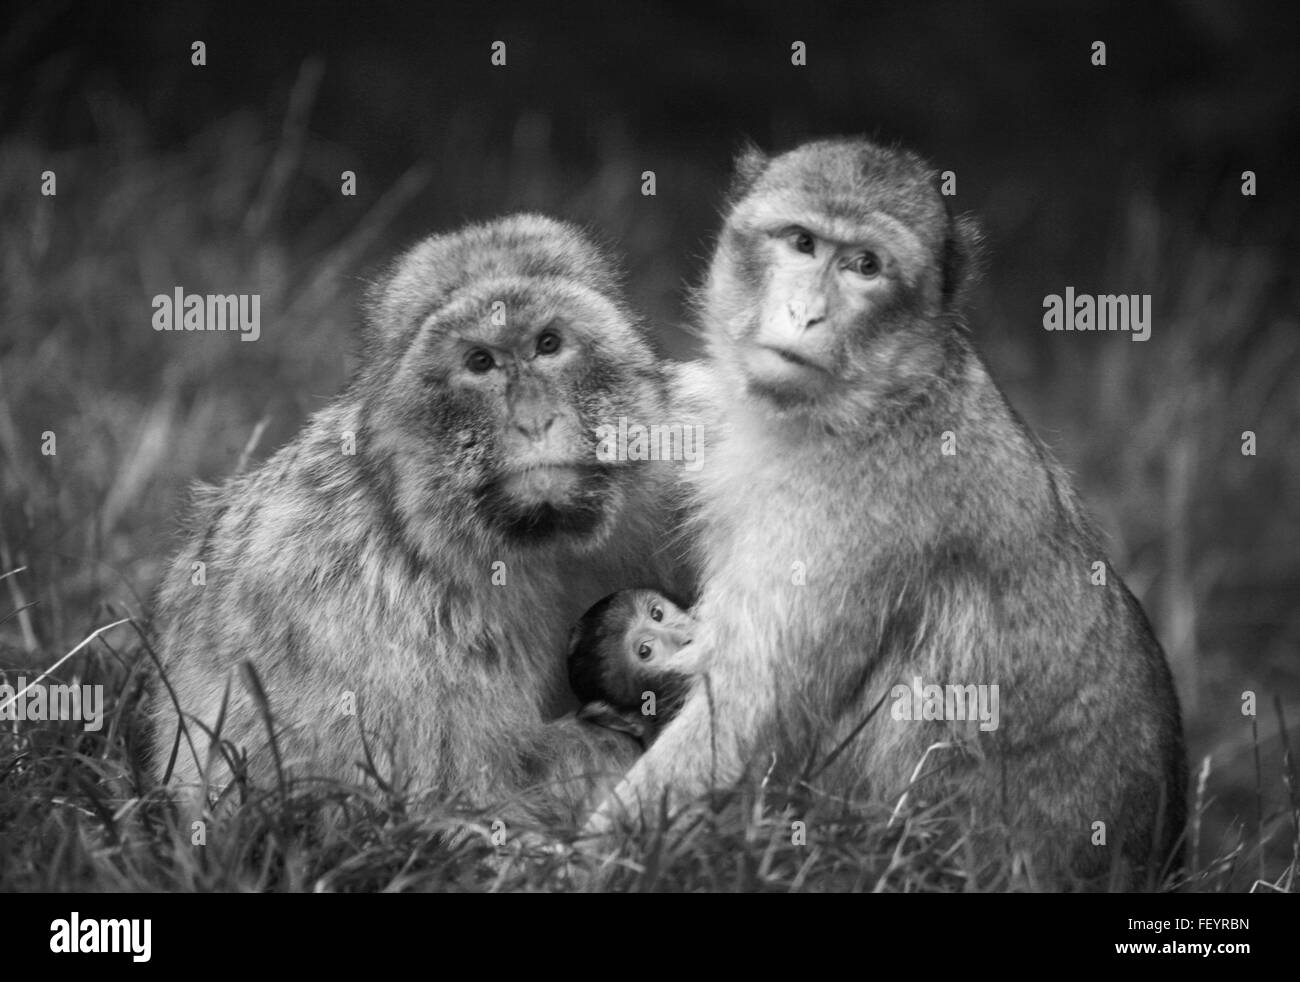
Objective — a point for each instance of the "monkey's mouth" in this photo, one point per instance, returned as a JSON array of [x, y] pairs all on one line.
[[794, 359], [542, 500], [547, 467], [785, 376], [545, 483]]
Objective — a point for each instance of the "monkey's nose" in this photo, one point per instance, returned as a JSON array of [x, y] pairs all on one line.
[[535, 428], [806, 315]]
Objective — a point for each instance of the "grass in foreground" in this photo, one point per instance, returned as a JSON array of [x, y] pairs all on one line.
[[77, 813]]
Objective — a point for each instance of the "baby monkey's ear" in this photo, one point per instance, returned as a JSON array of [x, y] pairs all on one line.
[[601, 713]]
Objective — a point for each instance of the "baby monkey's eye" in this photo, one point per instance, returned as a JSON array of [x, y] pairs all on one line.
[[656, 612], [548, 343], [479, 361], [802, 240], [867, 264], [644, 650]]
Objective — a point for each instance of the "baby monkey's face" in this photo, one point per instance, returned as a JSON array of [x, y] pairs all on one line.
[[631, 643], [631, 662], [655, 632]]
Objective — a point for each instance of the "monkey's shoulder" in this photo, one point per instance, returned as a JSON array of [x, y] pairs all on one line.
[[693, 388]]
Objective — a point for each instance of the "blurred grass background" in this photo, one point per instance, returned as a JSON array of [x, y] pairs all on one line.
[[225, 179]]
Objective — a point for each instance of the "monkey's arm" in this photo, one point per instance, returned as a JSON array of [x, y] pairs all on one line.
[[575, 764], [631, 722], [702, 748]]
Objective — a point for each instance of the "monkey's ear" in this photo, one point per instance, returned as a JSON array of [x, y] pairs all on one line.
[[375, 312], [374, 289], [962, 259], [748, 168]]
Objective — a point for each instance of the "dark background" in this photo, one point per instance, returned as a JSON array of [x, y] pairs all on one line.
[[225, 178]]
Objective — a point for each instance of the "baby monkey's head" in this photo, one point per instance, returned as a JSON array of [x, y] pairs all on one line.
[[629, 644]]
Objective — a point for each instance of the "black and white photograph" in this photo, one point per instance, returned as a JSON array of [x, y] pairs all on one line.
[[624, 448]]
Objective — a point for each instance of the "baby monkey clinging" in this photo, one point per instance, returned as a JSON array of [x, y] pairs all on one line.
[[631, 661]]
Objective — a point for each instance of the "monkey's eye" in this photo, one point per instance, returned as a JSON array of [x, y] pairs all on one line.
[[867, 264], [644, 650], [548, 343], [479, 361], [802, 240], [656, 612]]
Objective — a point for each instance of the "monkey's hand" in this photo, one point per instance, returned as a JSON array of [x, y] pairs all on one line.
[[601, 713]]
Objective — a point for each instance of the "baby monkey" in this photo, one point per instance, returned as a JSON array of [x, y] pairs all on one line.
[[631, 662]]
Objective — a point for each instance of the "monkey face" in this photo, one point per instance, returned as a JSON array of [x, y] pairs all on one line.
[[515, 397], [829, 250], [498, 392], [823, 290]]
